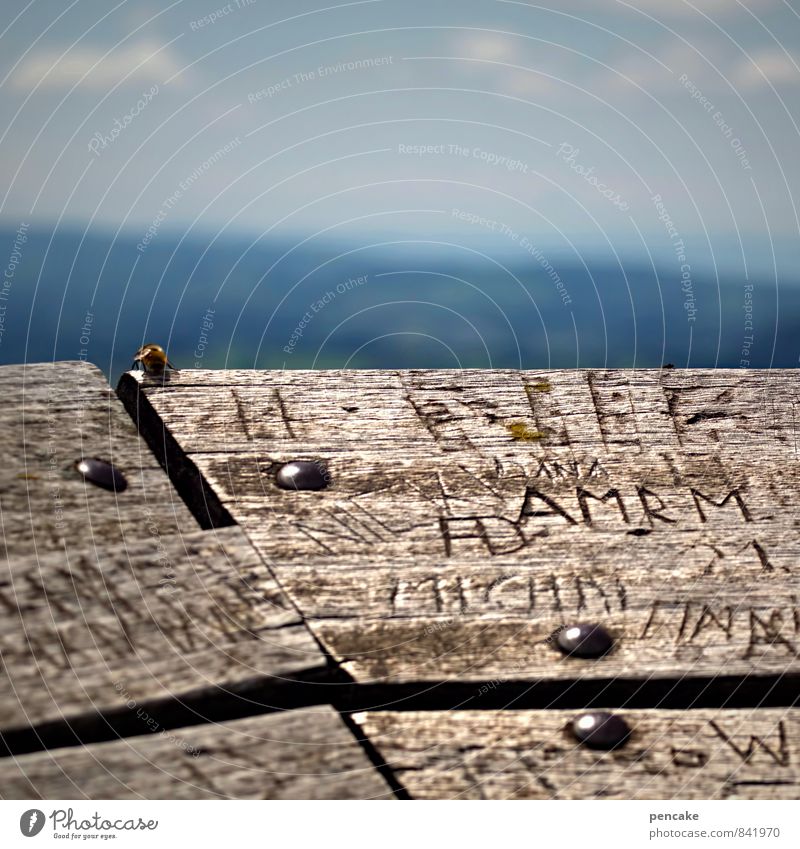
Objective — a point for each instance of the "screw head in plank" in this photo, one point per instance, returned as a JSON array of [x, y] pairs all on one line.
[[600, 730], [302, 475], [584, 639], [102, 473]]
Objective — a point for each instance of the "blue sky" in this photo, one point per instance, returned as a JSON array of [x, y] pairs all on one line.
[[564, 125]]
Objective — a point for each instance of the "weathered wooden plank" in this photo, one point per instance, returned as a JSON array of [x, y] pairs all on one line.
[[511, 754], [302, 754], [500, 477], [640, 411], [473, 513], [670, 616], [54, 414], [464, 508], [114, 628]]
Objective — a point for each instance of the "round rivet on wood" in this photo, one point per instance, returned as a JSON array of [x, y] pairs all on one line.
[[584, 640], [600, 730], [302, 474], [102, 474]]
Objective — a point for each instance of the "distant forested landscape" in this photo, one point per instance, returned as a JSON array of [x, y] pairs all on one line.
[[392, 303]]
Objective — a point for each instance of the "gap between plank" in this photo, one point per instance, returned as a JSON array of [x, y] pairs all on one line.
[[334, 687], [190, 484]]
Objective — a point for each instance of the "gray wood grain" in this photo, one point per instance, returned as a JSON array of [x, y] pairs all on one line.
[[54, 414], [638, 411], [694, 754], [303, 754], [473, 621], [120, 628], [473, 513]]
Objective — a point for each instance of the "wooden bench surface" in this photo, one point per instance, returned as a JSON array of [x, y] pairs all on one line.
[[157, 619], [53, 415], [305, 753], [471, 517], [694, 754], [473, 514]]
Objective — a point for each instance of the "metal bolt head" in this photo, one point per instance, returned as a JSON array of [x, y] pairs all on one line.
[[102, 474], [302, 475], [584, 639], [600, 730]]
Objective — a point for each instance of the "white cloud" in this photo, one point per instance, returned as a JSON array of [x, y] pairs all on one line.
[[502, 61], [773, 64], [486, 45], [525, 84], [145, 62], [662, 9], [712, 8]]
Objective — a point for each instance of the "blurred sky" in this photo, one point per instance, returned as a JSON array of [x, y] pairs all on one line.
[[696, 102]]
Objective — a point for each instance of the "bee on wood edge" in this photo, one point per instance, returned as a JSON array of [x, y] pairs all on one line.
[[153, 360]]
